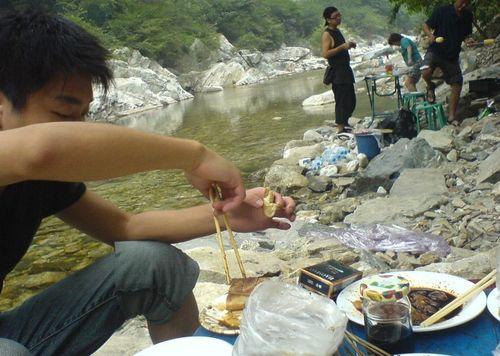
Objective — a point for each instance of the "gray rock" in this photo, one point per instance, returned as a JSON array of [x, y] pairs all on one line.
[[419, 182], [285, 178], [474, 267], [452, 156], [441, 140], [319, 184], [489, 170], [313, 135], [294, 154], [386, 167]]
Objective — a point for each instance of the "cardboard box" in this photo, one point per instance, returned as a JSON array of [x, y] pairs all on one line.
[[328, 278]]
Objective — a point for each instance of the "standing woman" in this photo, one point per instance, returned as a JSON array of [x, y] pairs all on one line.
[[336, 50]]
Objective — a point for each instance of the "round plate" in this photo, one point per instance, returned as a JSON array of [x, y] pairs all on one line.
[[192, 345], [494, 303], [420, 279], [208, 318]]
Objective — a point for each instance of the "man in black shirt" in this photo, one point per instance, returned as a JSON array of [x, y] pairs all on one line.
[[447, 28], [336, 50], [47, 68]]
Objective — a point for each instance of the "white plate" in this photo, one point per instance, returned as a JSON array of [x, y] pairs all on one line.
[[192, 346], [421, 354], [420, 279], [494, 304]]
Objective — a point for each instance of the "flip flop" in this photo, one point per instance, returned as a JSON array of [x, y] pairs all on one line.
[[431, 95]]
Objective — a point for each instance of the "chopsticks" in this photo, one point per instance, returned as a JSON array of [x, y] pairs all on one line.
[[215, 194], [463, 298], [374, 350]]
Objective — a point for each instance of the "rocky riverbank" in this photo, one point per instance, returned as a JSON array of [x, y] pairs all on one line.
[[441, 188]]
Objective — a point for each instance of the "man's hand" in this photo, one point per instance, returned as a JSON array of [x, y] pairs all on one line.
[[249, 216], [431, 38], [469, 42], [215, 169]]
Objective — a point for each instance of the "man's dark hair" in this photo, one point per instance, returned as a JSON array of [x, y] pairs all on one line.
[[328, 12], [394, 38], [36, 46]]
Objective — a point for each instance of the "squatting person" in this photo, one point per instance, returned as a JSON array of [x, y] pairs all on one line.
[[47, 68]]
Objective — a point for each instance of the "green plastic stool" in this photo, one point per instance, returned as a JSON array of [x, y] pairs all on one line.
[[412, 98], [433, 115]]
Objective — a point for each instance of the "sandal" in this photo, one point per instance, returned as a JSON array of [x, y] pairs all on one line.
[[431, 95]]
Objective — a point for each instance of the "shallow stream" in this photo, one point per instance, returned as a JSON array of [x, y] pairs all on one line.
[[248, 125]]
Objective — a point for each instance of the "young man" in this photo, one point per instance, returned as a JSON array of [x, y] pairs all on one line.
[[411, 56], [46, 151], [452, 24], [336, 50]]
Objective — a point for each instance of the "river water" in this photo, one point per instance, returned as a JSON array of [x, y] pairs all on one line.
[[247, 125]]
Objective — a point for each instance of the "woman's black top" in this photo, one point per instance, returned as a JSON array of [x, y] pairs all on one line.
[[341, 61]]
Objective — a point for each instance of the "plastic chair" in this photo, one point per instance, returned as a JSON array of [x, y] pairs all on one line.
[[432, 114], [412, 98]]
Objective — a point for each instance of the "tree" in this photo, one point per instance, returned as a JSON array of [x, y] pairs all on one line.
[[484, 10]]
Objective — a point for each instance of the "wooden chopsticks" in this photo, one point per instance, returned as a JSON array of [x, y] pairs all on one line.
[[463, 298], [215, 195]]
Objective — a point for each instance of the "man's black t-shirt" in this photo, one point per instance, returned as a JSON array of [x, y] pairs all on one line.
[[22, 207], [453, 27]]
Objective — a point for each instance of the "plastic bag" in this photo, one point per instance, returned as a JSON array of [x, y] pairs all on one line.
[[284, 319], [385, 237]]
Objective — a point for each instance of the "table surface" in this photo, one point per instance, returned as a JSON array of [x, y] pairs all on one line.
[[477, 337]]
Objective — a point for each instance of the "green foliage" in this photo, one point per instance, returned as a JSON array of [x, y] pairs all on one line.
[[484, 10], [165, 29]]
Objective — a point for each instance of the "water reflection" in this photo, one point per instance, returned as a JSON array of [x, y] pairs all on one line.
[[237, 123]]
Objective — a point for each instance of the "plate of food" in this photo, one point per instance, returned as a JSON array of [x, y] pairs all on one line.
[[494, 303], [429, 292], [223, 315]]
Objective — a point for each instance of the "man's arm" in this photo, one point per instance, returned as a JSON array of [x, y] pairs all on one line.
[[76, 151], [102, 220], [327, 42], [429, 33], [410, 55], [431, 24]]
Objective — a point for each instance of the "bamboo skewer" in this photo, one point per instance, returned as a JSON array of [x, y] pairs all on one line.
[[463, 298], [221, 243], [214, 195], [235, 247]]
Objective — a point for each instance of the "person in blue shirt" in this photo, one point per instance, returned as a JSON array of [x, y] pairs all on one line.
[[411, 56]]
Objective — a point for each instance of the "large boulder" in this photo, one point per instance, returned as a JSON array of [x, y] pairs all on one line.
[[140, 83], [221, 75], [489, 169], [414, 192], [441, 140], [387, 166], [285, 177], [320, 99]]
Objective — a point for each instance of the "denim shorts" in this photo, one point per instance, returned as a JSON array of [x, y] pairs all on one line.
[[78, 314]]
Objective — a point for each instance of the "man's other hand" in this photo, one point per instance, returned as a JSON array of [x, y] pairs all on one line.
[[249, 216]]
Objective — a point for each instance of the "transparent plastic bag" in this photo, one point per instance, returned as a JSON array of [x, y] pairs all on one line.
[[283, 319], [378, 237]]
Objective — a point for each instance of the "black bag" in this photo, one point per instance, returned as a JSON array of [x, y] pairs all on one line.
[[402, 125], [328, 76]]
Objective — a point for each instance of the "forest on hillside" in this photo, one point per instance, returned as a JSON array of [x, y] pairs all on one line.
[[165, 29]]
